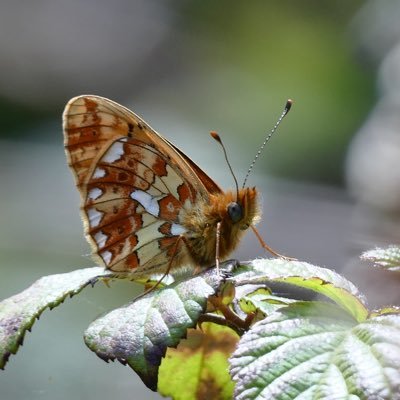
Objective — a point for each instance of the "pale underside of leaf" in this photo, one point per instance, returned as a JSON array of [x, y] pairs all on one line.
[[312, 352], [18, 313], [388, 258], [139, 333]]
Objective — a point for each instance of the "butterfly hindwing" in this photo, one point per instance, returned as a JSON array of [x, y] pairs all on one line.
[[134, 185]]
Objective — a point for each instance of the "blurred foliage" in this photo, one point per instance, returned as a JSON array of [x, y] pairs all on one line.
[[230, 66], [267, 50], [17, 119]]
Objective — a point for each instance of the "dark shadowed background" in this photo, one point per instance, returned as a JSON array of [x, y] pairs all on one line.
[[330, 179]]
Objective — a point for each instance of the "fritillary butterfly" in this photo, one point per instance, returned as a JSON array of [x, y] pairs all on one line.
[[146, 207]]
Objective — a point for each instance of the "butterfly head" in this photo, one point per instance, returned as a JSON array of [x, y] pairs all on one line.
[[240, 210], [248, 202], [235, 211]]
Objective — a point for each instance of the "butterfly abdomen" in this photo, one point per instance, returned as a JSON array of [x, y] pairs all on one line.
[[201, 225]]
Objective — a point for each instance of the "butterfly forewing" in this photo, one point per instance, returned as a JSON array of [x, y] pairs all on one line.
[[134, 186]]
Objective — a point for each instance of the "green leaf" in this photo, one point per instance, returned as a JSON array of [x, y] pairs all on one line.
[[385, 310], [18, 313], [313, 351], [198, 367], [320, 280], [139, 333], [264, 302], [388, 258]]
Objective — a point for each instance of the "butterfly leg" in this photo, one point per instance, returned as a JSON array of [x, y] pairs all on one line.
[[268, 248], [217, 240], [174, 251], [199, 269]]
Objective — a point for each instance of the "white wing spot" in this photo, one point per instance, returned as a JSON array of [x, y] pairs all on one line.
[[177, 229], [94, 217], [95, 193], [170, 207], [99, 173], [114, 153], [149, 202], [106, 256], [100, 239]]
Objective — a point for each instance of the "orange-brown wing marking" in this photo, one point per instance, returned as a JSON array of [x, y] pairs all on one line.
[[152, 194], [134, 185], [89, 126], [92, 123], [210, 185]]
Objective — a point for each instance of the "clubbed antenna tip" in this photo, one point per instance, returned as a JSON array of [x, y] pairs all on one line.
[[216, 137], [287, 108], [288, 105]]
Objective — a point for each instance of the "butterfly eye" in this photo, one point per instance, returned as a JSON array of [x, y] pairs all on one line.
[[235, 212]]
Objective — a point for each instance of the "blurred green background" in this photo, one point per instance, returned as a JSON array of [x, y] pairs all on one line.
[[186, 67], [217, 65]]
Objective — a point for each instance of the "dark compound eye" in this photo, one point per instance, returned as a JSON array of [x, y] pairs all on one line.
[[235, 212]]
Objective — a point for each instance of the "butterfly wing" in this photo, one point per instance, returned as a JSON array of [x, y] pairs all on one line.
[[208, 183], [134, 185]]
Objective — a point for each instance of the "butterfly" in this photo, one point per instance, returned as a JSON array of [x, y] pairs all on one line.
[[147, 208]]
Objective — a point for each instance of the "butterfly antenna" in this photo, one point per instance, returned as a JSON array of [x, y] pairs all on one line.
[[215, 136], [287, 108]]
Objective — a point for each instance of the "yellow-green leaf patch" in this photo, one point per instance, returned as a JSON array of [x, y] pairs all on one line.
[[198, 368], [320, 280]]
